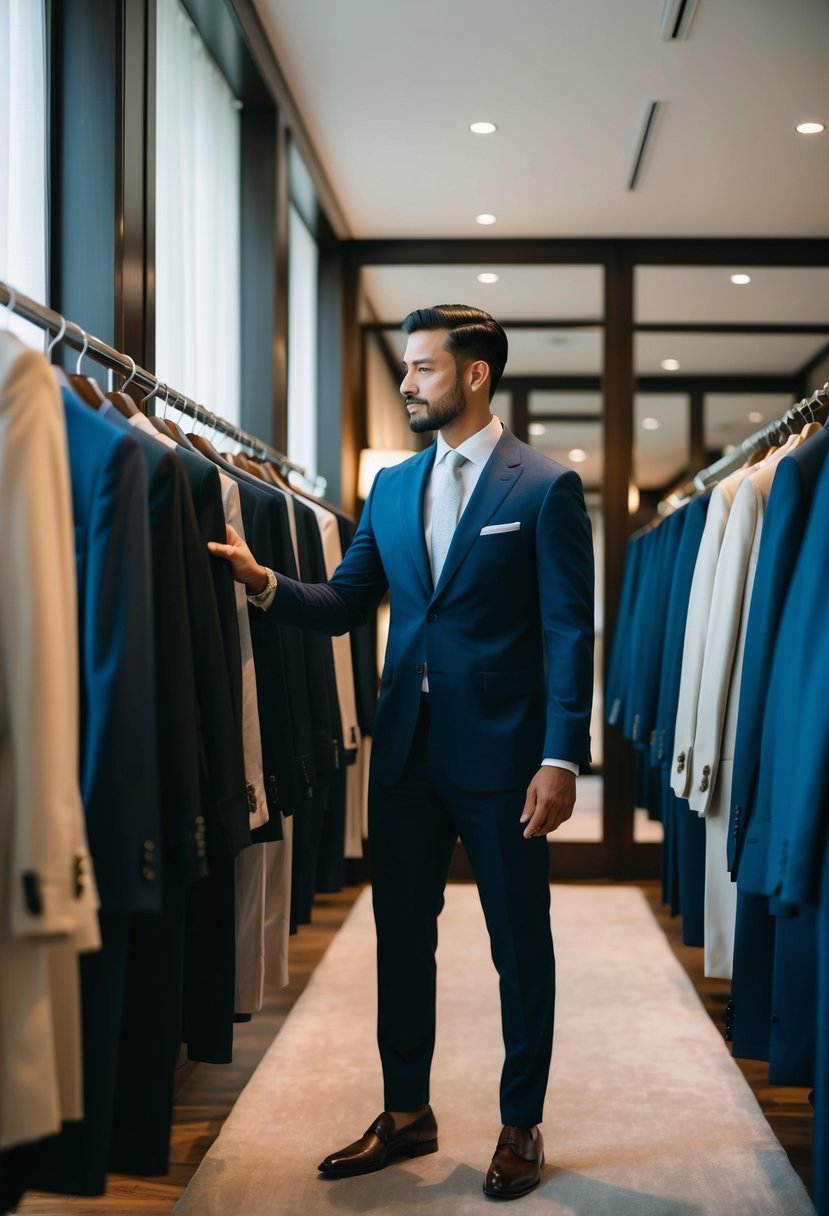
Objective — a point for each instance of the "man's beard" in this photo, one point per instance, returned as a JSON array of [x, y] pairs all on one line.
[[441, 412]]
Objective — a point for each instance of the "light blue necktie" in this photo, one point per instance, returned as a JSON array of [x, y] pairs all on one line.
[[446, 507]]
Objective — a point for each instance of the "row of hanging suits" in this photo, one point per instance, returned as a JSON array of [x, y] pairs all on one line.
[[178, 772], [718, 677]]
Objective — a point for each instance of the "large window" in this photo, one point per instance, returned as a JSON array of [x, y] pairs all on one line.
[[302, 345], [197, 219], [23, 154]]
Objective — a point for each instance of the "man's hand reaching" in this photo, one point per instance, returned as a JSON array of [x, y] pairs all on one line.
[[244, 565]]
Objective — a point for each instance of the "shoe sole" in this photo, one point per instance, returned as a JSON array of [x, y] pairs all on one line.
[[408, 1151]]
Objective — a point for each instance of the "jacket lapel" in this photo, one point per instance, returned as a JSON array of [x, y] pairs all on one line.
[[415, 475], [500, 474]]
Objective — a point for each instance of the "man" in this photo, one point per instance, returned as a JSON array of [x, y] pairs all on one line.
[[482, 721]]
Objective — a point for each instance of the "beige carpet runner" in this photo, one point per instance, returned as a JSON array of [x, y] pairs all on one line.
[[647, 1114]]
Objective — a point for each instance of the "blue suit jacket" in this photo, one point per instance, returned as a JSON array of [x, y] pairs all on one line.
[[616, 688], [119, 775], [784, 522], [792, 782], [649, 630], [501, 600]]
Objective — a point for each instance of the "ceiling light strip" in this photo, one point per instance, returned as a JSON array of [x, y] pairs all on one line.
[[644, 140], [676, 19]]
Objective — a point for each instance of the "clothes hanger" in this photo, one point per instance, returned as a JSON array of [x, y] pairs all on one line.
[[50, 346], [122, 401], [203, 445], [172, 427], [145, 400], [86, 388]]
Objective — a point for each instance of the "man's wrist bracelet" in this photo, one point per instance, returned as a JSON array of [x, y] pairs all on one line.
[[259, 599]]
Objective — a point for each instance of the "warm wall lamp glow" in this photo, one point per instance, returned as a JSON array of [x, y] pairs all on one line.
[[810, 128], [670, 365], [487, 277], [755, 416], [740, 280], [372, 460], [482, 128], [650, 424], [486, 218], [633, 498], [577, 455]]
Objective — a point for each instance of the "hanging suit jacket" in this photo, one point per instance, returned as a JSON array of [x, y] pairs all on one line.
[[47, 887], [482, 630], [696, 630], [716, 722], [793, 778], [649, 631], [786, 515], [684, 834], [618, 668]]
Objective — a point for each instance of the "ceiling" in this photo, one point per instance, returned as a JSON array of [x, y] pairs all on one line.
[[387, 91]]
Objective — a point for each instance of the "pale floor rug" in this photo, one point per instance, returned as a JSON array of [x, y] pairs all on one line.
[[646, 1111]]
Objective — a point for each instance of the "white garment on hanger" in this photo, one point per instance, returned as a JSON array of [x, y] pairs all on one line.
[[719, 695], [47, 916]]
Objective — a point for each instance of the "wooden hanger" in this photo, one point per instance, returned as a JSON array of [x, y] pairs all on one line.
[[87, 389]]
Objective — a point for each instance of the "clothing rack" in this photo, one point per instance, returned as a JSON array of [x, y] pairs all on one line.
[[124, 365], [796, 416]]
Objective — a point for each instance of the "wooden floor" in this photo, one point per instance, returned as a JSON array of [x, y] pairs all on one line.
[[206, 1093]]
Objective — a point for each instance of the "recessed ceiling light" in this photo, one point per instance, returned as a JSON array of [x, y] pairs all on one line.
[[740, 280], [670, 365], [577, 455], [537, 428], [482, 128], [755, 416], [650, 424], [810, 128], [486, 218], [487, 277]]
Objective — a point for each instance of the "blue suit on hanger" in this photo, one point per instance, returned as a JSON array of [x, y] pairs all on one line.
[[684, 865], [793, 785], [774, 956]]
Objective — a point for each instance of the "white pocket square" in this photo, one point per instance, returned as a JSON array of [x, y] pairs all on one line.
[[491, 529]]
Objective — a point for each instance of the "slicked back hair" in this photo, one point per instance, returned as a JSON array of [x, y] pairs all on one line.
[[473, 334]]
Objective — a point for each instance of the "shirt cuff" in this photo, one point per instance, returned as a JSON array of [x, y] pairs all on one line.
[[264, 599], [565, 764]]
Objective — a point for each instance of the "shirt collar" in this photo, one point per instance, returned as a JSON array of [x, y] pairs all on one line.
[[478, 447]]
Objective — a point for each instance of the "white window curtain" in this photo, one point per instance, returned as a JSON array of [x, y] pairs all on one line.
[[23, 155], [198, 342], [302, 345]]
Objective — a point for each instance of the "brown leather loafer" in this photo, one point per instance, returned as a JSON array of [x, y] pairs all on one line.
[[516, 1167], [381, 1145]]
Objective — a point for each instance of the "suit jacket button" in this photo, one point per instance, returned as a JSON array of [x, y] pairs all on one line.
[[706, 778], [32, 893], [432, 617], [680, 762], [149, 873], [419, 669]]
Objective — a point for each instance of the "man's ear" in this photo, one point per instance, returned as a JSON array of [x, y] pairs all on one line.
[[478, 374]]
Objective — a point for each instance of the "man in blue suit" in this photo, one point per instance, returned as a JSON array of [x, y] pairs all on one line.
[[482, 721]]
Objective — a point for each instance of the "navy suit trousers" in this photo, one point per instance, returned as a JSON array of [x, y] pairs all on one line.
[[413, 827]]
